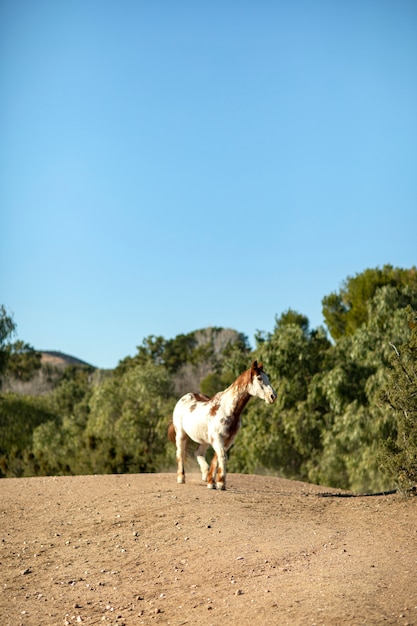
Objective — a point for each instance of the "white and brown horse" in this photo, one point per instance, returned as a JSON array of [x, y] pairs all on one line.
[[215, 422]]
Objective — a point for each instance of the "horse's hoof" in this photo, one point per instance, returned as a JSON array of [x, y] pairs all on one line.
[[221, 486], [180, 480], [210, 486]]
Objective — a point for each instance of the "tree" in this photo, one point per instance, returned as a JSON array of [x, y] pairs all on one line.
[[327, 423], [294, 354], [172, 353], [151, 351], [355, 422], [399, 452], [283, 437], [7, 329], [19, 416], [23, 362], [346, 311], [126, 427], [233, 358], [59, 445]]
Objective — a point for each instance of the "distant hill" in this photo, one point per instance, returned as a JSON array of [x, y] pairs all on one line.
[[59, 359], [53, 364]]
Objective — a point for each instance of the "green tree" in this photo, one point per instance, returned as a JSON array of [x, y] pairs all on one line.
[[346, 311], [232, 361], [355, 422], [399, 452], [126, 428], [172, 353], [7, 329], [327, 423], [151, 351], [283, 437], [19, 416], [23, 362], [294, 353], [60, 444]]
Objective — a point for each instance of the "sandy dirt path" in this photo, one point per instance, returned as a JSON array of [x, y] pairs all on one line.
[[140, 549]]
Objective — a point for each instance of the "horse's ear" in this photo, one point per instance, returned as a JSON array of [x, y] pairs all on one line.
[[257, 367]]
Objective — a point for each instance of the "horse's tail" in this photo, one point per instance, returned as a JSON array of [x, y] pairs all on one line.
[[171, 432]]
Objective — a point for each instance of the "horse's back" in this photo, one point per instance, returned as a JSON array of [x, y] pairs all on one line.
[[191, 416], [189, 402]]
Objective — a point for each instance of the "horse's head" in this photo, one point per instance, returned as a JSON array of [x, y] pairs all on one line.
[[261, 386]]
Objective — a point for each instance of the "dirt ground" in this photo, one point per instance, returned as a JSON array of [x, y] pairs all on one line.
[[140, 549]]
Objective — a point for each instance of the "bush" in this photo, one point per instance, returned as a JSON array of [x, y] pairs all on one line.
[[399, 454]]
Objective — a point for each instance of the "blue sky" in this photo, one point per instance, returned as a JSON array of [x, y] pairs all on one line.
[[167, 166]]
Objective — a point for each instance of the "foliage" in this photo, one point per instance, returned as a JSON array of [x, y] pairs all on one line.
[[171, 353], [327, 422], [399, 452], [327, 426], [117, 425], [282, 437], [7, 329], [357, 422], [23, 362], [128, 420], [346, 311], [19, 416], [196, 347]]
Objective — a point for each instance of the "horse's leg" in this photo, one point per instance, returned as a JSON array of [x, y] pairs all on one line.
[[212, 473], [181, 442], [221, 471], [221, 460], [200, 455], [216, 477]]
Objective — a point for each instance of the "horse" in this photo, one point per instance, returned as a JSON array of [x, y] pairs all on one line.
[[215, 422]]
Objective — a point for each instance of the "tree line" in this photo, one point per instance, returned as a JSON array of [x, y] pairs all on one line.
[[346, 413]]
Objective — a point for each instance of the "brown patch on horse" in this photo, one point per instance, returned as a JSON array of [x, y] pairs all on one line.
[[220, 480], [214, 408], [235, 423], [212, 470], [231, 424], [200, 397]]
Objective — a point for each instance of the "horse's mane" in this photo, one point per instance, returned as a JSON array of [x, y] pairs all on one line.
[[245, 378]]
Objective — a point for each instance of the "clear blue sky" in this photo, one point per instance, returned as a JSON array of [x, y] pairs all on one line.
[[171, 165]]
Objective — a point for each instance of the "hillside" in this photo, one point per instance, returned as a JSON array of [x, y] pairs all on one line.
[[59, 359], [53, 363], [140, 549]]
